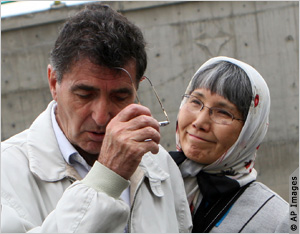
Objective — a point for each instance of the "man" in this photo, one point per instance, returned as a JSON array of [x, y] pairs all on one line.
[[71, 170]]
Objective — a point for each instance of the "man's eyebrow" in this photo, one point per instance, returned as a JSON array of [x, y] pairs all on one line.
[[83, 87], [91, 88], [122, 90]]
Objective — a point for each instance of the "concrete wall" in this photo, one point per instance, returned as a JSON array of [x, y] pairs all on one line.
[[181, 36]]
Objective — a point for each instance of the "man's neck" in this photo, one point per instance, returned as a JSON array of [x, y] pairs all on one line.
[[89, 158]]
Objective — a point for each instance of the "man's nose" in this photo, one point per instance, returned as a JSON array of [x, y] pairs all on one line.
[[102, 112]]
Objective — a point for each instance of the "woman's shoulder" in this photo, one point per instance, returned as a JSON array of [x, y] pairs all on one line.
[[259, 192], [258, 209], [263, 209]]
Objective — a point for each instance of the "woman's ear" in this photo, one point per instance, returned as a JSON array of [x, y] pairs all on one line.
[[52, 80]]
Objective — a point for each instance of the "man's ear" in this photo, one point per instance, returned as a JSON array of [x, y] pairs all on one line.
[[52, 80]]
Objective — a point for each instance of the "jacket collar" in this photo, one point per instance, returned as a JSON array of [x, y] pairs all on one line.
[[154, 173], [45, 159]]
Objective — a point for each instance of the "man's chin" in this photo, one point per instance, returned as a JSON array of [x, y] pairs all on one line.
[[91, 150]]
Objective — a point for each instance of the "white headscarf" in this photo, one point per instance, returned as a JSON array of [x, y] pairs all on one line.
[[240, 158]]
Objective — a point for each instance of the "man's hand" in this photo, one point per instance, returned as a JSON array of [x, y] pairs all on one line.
[[127, 140]]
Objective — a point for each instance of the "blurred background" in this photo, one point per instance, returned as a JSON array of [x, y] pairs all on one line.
[[181, 36]]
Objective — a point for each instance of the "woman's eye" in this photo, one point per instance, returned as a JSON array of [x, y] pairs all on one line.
[[196, 101], [223, 113]]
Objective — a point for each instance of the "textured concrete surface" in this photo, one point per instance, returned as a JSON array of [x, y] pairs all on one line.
[[181, 36]]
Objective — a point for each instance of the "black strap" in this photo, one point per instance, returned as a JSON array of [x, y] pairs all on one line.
[[207, 217], [177, 156]]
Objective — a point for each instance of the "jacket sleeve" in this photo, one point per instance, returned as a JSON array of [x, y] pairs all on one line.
[[184, 218], [88, 206]]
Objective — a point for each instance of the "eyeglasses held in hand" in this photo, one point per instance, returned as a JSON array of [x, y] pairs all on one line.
[[161, 123]]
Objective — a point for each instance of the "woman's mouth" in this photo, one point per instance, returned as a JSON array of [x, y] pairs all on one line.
[[198, 138]]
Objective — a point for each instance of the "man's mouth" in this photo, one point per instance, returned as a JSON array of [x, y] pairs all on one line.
[[96, 136]]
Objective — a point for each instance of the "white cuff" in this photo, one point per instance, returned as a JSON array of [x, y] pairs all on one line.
[[105, 180]]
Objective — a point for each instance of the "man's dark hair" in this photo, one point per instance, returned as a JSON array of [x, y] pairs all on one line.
[[102, 35]]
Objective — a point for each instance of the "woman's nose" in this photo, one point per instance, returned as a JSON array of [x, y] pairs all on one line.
[[203, 120]]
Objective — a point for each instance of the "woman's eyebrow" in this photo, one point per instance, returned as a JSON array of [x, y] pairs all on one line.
[[226, 105], [198, 94], [223, 104]]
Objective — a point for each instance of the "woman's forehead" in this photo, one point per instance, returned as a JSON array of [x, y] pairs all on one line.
[[213, 99]]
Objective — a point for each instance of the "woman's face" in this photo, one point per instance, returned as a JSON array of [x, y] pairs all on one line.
[[201, 139]]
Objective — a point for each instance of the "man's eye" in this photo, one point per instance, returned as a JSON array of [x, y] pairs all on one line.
[[121, 98], [84, 95]]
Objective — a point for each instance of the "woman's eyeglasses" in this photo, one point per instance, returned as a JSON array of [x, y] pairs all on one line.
[[217, 115]]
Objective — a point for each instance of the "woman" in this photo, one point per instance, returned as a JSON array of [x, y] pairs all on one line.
[[223, 118]]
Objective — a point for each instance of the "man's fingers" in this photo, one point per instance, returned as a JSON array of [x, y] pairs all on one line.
[[150, 146], [143, 121], [129, 135], [146, 134], [132, 111], [135, 117]]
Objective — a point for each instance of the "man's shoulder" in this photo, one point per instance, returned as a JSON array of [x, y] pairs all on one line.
[[162, 157], [20, 139], [162, 161], [17, 141], [14, 158]]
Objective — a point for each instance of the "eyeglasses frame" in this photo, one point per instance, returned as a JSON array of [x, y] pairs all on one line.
[[211, 111], [161, 123]]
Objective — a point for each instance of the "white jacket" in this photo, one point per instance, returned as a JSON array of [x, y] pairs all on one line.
[[41, 193]]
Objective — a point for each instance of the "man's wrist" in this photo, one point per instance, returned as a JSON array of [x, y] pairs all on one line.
[[105, 180]]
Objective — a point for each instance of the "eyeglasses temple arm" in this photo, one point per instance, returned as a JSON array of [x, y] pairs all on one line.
[[162, 107], [136, 95], [163, 123]]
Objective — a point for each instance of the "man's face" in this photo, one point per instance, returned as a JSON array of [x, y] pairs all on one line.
[[88, 97]]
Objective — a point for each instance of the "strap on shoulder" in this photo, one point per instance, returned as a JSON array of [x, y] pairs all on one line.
[[204, 222]]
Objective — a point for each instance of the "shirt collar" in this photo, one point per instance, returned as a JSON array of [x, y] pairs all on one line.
[[68, 151], [65, 146]]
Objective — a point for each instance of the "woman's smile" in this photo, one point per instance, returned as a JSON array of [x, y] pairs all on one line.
[[202, 140], [194, 137]]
